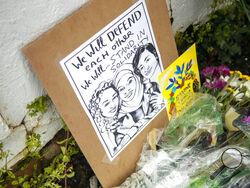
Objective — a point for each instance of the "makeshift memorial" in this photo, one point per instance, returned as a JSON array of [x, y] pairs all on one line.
[[207, 144], [187, 156], [111, 133]]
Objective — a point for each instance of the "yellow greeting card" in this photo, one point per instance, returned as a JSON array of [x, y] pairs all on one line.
[[179, 80]]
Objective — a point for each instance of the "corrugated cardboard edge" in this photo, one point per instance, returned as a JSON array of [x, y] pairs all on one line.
[[45, 53]]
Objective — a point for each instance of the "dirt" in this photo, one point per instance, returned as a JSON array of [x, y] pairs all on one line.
[[83, 172]]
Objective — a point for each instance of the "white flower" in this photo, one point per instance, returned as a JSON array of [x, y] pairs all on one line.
[[224, 78], [247, 85], [207, 80], [247, 94], [235, 82], [239, 94]]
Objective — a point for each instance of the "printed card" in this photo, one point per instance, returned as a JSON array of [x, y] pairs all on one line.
[[178, 80], [114, 75]]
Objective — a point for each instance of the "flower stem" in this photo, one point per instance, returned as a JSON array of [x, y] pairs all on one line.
[[229, 81]]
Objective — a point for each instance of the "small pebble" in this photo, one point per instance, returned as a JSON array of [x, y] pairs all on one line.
[[93, 182]]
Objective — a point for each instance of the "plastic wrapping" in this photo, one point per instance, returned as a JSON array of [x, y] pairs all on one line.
[[243, 123], [189, 154], [201, 116], [158, 169]]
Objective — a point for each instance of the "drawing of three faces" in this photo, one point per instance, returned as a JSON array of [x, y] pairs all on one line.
[[126, 89]]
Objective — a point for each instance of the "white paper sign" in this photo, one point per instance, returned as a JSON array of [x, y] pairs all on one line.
[[115, 77]]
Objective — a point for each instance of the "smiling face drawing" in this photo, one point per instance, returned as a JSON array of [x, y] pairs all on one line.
[[127, 87], [147, 64], [109, 102]]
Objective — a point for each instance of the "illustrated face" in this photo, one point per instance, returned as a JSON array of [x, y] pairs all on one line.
[[109, 102], [127, 87], [147, 64]]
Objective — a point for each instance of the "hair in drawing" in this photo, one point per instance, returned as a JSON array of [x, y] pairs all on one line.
[[129, 106], [94, 107], [94, 102], [150, 47]]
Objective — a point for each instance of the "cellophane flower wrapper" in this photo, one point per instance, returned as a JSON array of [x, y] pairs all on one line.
[[200, 122], [156, 169], [186, 155], [243, 123]]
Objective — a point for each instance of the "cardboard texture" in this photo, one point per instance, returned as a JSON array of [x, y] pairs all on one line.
[[45, 53]]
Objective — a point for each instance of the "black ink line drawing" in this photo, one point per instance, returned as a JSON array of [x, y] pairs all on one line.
[[119, 106], [104, 108], [131, 92], [146, 64]]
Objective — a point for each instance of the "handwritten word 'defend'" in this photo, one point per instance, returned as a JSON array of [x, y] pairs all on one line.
[[124, 25]]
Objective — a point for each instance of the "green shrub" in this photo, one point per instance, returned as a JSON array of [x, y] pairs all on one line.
[[223, 40]]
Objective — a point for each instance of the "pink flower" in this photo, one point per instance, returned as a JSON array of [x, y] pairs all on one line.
[[207, 71], [219, 84], [209, 84], [247, 119], [223, 70], [216, 73]]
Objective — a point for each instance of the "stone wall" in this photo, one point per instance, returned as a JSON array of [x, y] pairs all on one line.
[[22, 22]]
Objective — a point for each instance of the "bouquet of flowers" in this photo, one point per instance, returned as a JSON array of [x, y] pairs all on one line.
[[232, 91], [230, 88], [208, 144]]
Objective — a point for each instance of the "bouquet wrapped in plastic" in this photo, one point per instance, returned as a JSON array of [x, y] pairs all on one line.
[[193, 152], [200, 119]]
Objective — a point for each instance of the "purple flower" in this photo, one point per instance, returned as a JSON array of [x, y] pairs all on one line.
[[207, 71], [219, 84], [223, 70], [216, 73], [209, 84], [247, 119]]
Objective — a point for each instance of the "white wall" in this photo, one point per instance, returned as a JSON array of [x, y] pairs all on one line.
[[186, 12], [22, 22]]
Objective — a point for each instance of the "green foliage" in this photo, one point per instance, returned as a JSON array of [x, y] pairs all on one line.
[[33, 145], [60, 169], [223, 39], [38, 105], [6, 174]]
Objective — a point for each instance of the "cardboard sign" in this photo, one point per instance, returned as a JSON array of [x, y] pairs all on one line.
[[178, 80], [113, 75], [96, 26]]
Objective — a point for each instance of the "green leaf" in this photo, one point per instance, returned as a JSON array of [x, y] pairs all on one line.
[[39, 177], [20, 179], [35, 166], [11, 174], [63, 141], [25, 165], [15, 182], [70, 175], [63, 150], [48, 170], [66, 159], [26, 185]]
